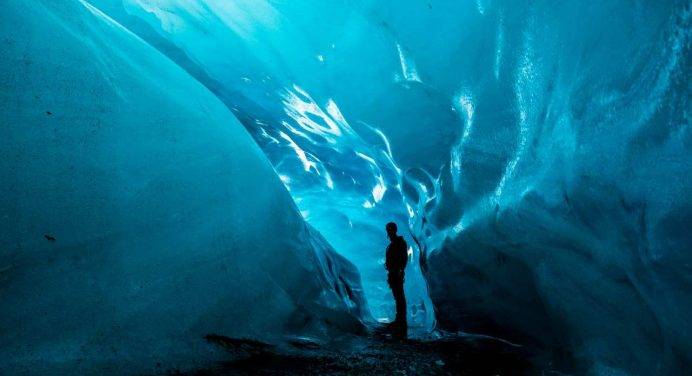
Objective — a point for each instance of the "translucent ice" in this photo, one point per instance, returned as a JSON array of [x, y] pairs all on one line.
[[138, 215], [538, 151]]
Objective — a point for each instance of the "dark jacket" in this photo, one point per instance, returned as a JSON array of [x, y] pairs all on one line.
[[397, 255]]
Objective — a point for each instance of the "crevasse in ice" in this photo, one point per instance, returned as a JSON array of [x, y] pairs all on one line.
[[536, 154], [260, 60], [539, 153]]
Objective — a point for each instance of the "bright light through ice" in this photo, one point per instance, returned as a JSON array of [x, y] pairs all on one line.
[[408, 67], [328, 179], [307, 164], [309, 116], [379, 189]]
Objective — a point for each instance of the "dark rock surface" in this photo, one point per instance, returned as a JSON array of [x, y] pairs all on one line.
[[379, 354]]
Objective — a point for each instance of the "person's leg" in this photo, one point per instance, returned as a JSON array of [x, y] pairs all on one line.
[[401, 305], [400, 325], [400, 299]]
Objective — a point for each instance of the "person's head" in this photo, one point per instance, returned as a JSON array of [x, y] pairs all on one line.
[[391, 229]]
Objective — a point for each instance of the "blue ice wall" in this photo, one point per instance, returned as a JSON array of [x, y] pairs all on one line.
[[539, 151], [138, 215], [284, 82]]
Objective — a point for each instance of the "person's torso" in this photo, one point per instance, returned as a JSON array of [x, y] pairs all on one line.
[[396, 254]]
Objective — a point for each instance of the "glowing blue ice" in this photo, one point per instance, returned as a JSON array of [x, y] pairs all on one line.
[[536, 155]]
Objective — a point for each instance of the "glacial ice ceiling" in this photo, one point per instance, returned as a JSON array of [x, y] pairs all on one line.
[[538, 153]]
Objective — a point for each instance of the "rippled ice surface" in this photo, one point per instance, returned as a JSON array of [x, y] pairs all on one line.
[[538, 152], [339, 169], [138, 215]]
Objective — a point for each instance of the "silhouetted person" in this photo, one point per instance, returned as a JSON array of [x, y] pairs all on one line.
[[395, 263]]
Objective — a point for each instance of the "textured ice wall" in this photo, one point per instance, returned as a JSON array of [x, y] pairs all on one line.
[[564, 210], [541, 150], [285, 70], [137, 213]]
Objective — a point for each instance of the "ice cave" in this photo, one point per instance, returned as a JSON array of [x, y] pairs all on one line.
[[175, 169]]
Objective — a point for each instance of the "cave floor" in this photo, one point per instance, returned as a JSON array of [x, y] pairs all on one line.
[[376, 354]]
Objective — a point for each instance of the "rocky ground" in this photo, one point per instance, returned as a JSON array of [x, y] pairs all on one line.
[[377, 354]]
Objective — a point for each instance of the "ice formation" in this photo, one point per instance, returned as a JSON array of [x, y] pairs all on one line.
[[138, 215], [538, 152]]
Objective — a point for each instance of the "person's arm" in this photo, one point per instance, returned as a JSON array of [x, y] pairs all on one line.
[[387, 259], [403, 255]]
